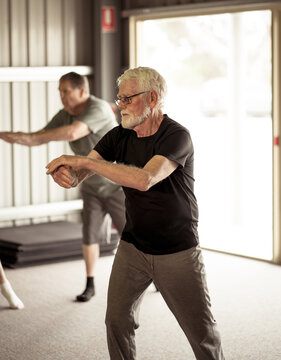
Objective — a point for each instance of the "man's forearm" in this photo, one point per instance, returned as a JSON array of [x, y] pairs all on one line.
[[43, 136], [40, 137], [125, 175], [155, 170], [22, 138]]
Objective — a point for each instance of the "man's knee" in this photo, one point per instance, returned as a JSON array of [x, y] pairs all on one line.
[[114, 313], [118, 319]]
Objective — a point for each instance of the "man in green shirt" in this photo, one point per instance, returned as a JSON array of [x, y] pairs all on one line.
[[82, 122]]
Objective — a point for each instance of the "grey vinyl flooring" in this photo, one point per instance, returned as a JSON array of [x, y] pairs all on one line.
[[246, 298]]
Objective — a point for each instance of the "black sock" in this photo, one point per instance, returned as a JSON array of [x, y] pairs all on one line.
[[89, 291], [90, 282]]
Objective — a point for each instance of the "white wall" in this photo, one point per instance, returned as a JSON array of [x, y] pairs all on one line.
[[39, 41]]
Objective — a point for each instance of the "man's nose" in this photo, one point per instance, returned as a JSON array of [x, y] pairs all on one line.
[[121, 105]]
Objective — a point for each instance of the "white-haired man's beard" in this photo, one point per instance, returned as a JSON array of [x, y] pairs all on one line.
[[130, 121]]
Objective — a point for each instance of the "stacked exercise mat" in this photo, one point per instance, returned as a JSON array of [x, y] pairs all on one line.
[[45, 242]]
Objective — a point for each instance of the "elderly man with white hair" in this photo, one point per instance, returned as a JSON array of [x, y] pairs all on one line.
[[151, 156]]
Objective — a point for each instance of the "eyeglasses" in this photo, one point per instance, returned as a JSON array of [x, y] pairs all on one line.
[[126, 100]]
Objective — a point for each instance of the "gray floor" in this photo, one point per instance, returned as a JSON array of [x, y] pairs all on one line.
[[246, 298]]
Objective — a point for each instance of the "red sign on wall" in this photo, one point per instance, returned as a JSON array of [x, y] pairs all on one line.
[[108, 19]]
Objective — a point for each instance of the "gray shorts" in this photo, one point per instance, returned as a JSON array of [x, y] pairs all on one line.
[[98, 214]]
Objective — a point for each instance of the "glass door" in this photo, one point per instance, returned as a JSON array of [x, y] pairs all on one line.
[[218, 70]]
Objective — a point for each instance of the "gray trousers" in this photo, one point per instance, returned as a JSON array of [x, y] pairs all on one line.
[[181, 280]]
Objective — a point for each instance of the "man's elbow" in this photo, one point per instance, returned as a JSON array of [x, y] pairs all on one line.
[[71, 136], [145, 183]]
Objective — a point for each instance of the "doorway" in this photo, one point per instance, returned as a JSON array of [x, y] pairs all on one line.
[[218, 71]]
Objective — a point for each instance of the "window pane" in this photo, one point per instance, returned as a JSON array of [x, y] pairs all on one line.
[[218, 70]]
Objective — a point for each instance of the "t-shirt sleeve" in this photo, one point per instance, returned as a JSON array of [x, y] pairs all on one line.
[[177, 146], [58, 120], [98, 116], [105, 147]]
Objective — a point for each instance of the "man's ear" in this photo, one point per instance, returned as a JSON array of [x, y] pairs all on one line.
[[153, 99]]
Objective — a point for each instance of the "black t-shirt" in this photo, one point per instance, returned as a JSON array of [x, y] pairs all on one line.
[[162, 220]]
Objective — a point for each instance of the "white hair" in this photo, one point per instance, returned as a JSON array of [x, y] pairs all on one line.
[[148, 79]]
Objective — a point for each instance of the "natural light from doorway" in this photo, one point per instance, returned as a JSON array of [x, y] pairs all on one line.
[[218, 70]]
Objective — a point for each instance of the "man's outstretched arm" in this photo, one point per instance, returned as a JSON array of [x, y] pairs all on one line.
[[155, 170], [71, 132]]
